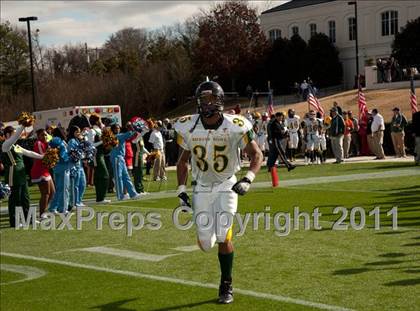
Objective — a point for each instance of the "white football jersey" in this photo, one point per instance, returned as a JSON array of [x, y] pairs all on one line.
[[293, 123], [215, 154], [313, 127]]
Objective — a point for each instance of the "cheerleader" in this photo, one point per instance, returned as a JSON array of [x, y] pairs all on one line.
[[15, 174], [77, 173], [41, 175], [100, 172], [121, 178], [139, 151], [61, 171]]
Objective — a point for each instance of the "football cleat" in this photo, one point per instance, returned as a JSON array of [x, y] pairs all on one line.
[[225, 292]]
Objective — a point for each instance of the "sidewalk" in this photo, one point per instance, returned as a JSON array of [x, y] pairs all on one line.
[[352, 160]]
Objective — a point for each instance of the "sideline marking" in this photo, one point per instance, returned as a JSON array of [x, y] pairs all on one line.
[[180, 281], [30, 273]]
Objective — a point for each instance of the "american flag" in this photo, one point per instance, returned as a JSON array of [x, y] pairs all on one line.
[[362, 104], [413, 98], [314, 102], [270, 107]]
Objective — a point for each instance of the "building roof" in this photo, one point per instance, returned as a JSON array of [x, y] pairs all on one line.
[[294, 4]]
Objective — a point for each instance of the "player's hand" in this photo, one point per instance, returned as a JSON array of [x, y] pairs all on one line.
[[242, 186]]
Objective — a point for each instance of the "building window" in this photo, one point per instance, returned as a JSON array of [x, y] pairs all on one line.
[[274, 34], [295, 30], [312, 28], [389, 23], [331, 30], [352, 28]]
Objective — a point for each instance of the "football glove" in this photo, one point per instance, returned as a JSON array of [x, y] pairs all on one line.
[[184, 199], [243, 185]]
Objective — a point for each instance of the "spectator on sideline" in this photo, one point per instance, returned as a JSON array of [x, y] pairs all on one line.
[[159, 165], [348, 128], [416, 134], [398, 124], [369, 135], [378, 128], [339, 109], [337, 134], [355, 139]]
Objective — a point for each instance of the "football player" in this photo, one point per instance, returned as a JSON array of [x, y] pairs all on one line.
[[213, 141], [312, 132], [293, 124]]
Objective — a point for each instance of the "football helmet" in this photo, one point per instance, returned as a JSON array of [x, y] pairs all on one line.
[[210, 98], [291, 113]]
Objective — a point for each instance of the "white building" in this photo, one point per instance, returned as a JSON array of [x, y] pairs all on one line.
[[378, 21]]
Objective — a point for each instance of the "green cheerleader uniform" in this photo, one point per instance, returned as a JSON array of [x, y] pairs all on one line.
[[15, 177], [101, 175], [138, 151]]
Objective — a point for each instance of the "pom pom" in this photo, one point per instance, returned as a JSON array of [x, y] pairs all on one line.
[[152, 156], [88, 149], [25, 119], [109, 140], [4, 191], [76, 154], [139, 124], [51, 158]]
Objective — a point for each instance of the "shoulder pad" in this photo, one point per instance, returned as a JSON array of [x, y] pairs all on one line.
[[185, 123], [238, 123]]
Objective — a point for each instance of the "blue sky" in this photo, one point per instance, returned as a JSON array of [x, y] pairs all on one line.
[[62, 22]]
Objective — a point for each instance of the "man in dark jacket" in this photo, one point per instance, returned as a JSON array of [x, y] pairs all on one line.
[[277, 131], [416, 134], [337, 135]]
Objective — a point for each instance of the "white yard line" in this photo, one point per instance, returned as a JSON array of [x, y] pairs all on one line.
[[126, 253], [30, 273], [244, 292]]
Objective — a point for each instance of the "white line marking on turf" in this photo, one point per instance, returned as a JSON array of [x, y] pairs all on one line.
[[180, 281], [30, 273], [126, 253], [189, 248]]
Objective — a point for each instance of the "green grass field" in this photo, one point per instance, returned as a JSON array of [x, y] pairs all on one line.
[[312, 269]]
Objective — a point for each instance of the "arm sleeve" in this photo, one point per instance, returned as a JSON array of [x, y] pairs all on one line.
[[7, 145], [125, 136], [31, 154], [97, 143], [63, 154]]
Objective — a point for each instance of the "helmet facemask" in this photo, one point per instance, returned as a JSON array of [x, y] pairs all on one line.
[[209, 104]]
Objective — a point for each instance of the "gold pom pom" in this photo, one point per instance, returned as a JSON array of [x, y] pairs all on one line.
[[25, 119], [109, 140], [51, 158]]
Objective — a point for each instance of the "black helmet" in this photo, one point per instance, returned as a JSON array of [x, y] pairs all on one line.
[[209, 88], [291, 113]]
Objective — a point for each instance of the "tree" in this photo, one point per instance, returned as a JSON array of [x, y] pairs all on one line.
[[230, 40], [14, 67], [127, 48], [406, 45], [278, 65], [321, 61]]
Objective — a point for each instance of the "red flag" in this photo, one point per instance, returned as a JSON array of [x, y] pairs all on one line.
[[270, 108], [362, 105], [314, 102], [413, 98]]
